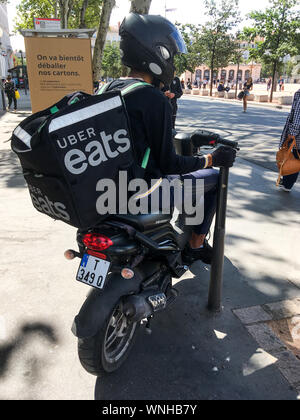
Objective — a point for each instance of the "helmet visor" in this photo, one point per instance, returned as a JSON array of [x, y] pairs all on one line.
[[176, 35]]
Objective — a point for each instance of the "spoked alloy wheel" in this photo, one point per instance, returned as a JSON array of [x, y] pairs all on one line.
[[118, 336], [109, 348]]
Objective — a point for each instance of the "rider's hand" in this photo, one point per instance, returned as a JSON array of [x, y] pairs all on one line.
[[223, 156]]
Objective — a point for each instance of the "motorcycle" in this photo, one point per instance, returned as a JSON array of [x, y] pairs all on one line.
[[129, 262]]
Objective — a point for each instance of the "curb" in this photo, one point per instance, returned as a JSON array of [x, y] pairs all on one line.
[[236, 101], [255, 319]]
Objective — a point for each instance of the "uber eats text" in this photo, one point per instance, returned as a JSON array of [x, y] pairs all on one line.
[[99, 148]]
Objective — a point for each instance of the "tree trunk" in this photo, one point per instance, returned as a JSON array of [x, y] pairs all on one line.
[[101, 37], [211, 80], [140, 6], [84, 6], [64, 11], [70, 7], [212, 72], [55, 9], [273, 80], [237, 80]]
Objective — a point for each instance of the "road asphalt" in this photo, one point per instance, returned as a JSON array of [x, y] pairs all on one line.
[[192, 354]]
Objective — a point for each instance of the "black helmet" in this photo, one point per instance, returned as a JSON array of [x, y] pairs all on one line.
[[149, 44]]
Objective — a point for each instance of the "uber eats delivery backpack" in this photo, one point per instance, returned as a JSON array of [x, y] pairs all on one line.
[[67, 148]]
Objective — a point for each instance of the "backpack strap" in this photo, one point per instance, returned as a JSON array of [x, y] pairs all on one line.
[[136, 84]]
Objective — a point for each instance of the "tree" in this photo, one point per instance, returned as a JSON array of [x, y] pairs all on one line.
[[237, 58], [194, 56], [79, 13], [28, 9], [278, 31], [216, 40], [85, 14], [111, 61], [140, 6], [107, 7]]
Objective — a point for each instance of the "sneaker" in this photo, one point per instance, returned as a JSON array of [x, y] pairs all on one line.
[[189, 255], [282, 187]]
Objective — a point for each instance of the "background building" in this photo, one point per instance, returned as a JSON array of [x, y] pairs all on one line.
[[6, 53], [227, 73]]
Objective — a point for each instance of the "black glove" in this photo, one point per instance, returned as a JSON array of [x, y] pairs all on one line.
[[223, 156]]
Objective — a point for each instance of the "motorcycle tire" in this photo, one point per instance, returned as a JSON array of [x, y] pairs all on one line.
[[109, 348]]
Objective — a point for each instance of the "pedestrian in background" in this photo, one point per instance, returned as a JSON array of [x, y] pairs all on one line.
[[174, 92], [292, 127], [10, 90], [248, 85], [269, 83], [182, 84], [221, 86], [281, 84]]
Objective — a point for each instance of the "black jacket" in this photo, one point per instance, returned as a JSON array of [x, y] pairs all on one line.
[[175, 88], [150, 117]]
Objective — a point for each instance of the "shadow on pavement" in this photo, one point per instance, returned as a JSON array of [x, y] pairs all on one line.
[[10, 170], [257, 194], [25, 333], [194, 354]]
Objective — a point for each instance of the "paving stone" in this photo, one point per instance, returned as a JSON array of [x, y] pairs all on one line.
[[252, 314], [288, 364], [297, 303], [283, 309], [265, 337]]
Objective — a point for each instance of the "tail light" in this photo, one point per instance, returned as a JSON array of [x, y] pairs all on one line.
[[96, 241]]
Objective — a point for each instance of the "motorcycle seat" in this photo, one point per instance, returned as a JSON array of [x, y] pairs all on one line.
[[144, 222]]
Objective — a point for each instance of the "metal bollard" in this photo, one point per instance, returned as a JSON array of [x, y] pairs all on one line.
[[216, 273]]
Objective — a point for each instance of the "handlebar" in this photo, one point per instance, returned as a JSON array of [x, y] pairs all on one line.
[[207, 138]]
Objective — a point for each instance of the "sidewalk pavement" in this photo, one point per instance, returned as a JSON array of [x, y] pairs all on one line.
[[267, 105], [192, 354]]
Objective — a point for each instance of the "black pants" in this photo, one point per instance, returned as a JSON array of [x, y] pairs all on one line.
[[174, 112], [12, 98]]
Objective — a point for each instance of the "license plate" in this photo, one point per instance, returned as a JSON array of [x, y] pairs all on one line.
[[93, 271]]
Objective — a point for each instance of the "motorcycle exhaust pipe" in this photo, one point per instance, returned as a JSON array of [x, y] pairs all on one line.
[[138, 307]]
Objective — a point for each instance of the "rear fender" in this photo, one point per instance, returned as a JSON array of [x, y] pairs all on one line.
[[100, 303]]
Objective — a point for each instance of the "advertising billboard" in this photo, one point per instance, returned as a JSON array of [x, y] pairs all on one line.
[[57, 66]]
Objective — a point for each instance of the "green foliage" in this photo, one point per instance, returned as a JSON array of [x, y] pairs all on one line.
[[28, 9], [194, 57], [277, 29], [211, 44], [111, 61], [92, 14], [219, 45]]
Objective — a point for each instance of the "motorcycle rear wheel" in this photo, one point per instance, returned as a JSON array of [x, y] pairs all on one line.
[[109, 348]]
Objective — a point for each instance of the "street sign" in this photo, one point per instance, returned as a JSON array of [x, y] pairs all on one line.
[[42, 23]]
